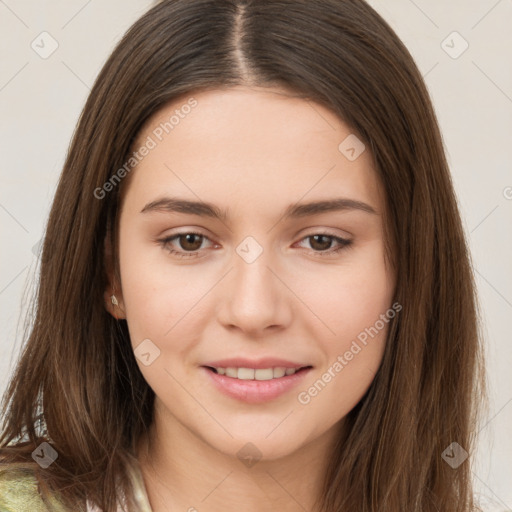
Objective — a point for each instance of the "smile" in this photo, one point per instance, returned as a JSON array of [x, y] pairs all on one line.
[[256, 373], [255, 385]]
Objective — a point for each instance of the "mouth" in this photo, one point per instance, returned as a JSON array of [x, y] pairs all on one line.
[[259, 374], [255, 385]]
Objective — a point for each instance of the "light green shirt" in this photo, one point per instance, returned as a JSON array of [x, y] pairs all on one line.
[[19, 493]]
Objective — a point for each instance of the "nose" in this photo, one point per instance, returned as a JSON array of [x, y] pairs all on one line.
[[255, 298]]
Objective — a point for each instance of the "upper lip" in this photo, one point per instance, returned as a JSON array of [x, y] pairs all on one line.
[[266, 362]]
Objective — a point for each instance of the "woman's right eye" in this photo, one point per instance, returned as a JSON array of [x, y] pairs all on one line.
[[185, 239]]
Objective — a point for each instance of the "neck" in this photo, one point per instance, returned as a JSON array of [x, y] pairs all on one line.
[[183, 472]]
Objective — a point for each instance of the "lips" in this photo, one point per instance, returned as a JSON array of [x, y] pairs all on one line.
[[262, 369], [255, 381]]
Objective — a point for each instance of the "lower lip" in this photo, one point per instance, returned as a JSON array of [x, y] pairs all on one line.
[[255, 391]]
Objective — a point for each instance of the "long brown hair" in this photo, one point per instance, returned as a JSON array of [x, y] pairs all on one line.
[[77, 383]]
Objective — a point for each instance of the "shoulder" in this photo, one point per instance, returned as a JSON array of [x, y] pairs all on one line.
[[19, 491]]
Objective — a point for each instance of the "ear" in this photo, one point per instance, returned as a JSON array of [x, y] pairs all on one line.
[[113, 294]]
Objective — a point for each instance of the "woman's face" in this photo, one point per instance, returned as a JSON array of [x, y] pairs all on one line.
[[267, 280]]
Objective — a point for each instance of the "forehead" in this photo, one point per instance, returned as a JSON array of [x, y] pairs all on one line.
[[247, 144]]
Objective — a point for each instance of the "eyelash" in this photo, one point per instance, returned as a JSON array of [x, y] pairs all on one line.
[[164, 242]]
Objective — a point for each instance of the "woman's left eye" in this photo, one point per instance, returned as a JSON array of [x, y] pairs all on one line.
[[191, 242], [320, 239]]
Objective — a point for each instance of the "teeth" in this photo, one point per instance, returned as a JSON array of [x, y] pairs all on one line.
[[245, 373], [279, 372], [232, 372], [262, 374], [256, 374]]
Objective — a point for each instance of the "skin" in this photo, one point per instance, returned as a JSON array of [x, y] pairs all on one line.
[[254, 152]]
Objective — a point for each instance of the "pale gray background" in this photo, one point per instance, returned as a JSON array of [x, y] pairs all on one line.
[[40, 100]]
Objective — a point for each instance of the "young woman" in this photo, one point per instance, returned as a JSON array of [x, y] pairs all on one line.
[[255, 289]]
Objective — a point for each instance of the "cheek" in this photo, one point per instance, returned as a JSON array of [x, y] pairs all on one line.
[[350, 298], [357, 309], [157, 293], [352, 358]]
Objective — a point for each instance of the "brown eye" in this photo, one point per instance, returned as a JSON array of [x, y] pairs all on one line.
[[189, 241], [321, 243], [183, 245]]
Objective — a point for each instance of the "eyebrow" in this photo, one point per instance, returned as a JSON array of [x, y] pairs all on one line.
[[205, 209]]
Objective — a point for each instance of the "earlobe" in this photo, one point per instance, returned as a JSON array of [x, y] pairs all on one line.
[[113, 300], [113, 306]]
